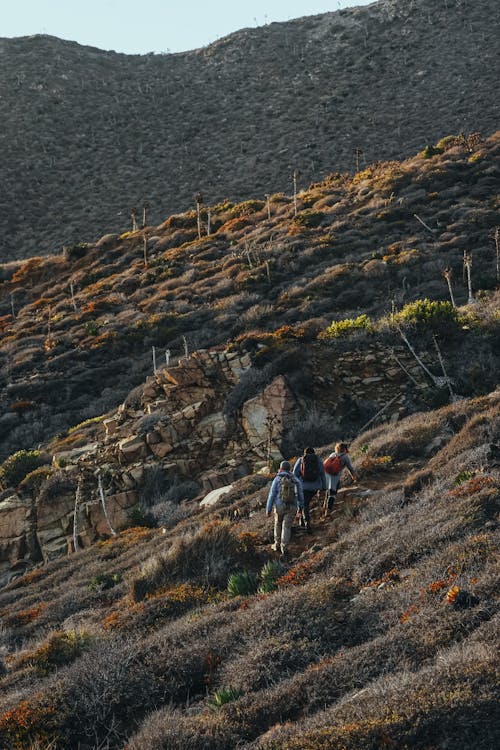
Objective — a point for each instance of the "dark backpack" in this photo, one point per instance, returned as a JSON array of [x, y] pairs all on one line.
[[333, 465], [309, 468], [287, 491]]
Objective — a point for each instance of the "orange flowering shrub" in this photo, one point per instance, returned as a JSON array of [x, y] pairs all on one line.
[[122, 618], [5, 321], [296, 575], [28, 723], [451, 594], [27, 269], [413, 609], [233, 225], [472, 486], [247, 603], [391, 575], [18, 619]]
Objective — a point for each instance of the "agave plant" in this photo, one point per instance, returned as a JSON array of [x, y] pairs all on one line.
[[241, 584]]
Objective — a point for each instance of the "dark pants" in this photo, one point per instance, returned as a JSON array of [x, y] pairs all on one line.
[[308, 496], [330, 496]]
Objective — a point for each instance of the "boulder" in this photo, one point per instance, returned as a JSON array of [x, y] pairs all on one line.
[[132, 449], [118, 507], [214, 496], [275, 404], [67, 458]]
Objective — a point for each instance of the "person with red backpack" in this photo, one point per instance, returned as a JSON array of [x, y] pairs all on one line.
[[285, 496], [334, 465], [310, 472]]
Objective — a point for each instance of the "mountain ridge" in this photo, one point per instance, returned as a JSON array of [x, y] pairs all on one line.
[[104, 133]]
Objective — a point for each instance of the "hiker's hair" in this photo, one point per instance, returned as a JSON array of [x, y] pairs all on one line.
[[308, 451], [341, 447]]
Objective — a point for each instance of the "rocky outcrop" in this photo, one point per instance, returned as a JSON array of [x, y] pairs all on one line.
[[177, 422]]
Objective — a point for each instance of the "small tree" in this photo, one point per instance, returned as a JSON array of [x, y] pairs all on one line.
[[199, 200], [294, 177], [447, 273], [495, 235], [468, 270], [133, 217]]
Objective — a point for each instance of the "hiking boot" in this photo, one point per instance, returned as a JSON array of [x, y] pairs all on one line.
[[284, 552]]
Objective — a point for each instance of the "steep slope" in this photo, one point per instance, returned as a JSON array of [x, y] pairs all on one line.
[[383, 632], [78, 328], [87, 135]]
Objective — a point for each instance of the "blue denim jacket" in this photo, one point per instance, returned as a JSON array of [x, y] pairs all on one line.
[[273, 499]]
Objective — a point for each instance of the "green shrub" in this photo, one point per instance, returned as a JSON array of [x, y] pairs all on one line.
[[241, 584], [425, 312], [347, 326], [140, 517], [269, 575], [74, 252], [61, 647], [15, 468], [34, 479], [447, 142], [430, 151], [309, 219], [224, 695]]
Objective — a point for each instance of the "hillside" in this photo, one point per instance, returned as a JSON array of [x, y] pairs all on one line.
[[78, 327], [87, 135], [380, 631]]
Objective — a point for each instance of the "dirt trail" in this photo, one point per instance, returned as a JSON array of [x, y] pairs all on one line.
[[326, 529]]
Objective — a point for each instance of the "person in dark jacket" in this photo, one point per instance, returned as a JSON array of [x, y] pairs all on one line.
[[285, 507], [310, 472]]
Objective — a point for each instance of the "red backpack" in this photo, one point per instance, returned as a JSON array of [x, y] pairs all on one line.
[[333, 465]]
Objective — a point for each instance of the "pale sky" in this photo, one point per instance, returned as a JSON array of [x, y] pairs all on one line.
[[151, 25]]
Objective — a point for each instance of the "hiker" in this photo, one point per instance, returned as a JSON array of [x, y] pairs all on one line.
[[310, 472], [285, 495], [334, 465]]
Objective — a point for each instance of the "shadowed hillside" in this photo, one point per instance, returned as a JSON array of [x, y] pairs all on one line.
[[87, 135], [380, 631]]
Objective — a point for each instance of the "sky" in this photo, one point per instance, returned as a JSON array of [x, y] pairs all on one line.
[[151, 25]]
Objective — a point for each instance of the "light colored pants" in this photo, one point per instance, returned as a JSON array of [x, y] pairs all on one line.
[[283, 529]]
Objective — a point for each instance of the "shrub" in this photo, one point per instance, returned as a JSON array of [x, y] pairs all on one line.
[[15, 468], [347, 326], [241, 584], [34, 480], [430, 151], [28, 723], [224, 695], [74, 252], [311, 427], [138, 516], [425, 312], [62, 647], [308, 219], [269, 575], [205, 557]]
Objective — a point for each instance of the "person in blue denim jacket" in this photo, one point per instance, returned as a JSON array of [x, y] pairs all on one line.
[[285, 508]]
